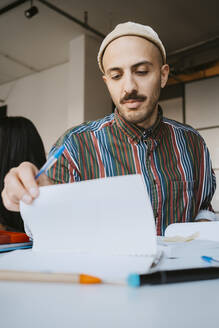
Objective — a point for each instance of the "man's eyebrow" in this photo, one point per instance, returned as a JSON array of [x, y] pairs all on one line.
[[112, 69], [144, 62]]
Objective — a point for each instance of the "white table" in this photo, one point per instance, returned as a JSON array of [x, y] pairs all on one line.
[[39, 305]]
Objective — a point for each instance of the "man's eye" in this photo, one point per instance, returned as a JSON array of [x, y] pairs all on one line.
[[141, 72], [116, 76]]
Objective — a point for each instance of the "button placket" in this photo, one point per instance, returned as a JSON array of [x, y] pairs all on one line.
[[153, 183]]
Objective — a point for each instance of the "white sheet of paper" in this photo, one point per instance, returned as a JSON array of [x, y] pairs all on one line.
[[206, 230], [102, 216], [102, 227]]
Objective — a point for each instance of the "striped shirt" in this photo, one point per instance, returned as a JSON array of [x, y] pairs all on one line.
[[172, 158]]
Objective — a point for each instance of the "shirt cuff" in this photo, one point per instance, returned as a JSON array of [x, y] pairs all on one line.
[[205, 214]]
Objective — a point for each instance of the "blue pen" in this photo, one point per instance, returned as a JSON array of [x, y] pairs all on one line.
[[50, 161], [209, 259]]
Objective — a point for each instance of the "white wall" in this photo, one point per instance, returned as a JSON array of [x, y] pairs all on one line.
[[42, 98], [76, 88], [88, 96], [63, 96], [97, 100], [202, 103], [172, 108]]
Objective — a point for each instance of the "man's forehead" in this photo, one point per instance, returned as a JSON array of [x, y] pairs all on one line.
[[129, 50]]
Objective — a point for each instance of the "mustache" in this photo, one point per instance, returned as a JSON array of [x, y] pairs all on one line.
[[132, 96]]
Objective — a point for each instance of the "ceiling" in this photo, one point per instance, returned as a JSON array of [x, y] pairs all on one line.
[[33, 45]]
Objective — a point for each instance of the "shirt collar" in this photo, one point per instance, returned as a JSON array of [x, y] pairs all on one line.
[[136, 133]]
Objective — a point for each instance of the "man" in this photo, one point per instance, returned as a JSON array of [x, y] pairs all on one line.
[[172, 158]]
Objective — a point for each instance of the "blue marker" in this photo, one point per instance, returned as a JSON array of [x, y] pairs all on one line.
[[173, 276], [50, 161]]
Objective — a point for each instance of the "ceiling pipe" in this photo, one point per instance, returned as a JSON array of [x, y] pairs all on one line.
[[12, 6], [73, 19], [195, 46]]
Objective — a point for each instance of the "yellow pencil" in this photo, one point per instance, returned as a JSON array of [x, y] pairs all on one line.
[[69, 278]]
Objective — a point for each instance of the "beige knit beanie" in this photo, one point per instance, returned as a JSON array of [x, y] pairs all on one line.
[[130, 28]]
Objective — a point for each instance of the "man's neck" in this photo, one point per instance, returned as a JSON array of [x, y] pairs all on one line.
[[150, 121]]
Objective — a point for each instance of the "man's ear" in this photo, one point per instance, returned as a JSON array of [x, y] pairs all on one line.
[[164, 75], [104, 78]]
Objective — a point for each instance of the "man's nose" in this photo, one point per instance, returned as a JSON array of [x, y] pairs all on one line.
[[130, 84]]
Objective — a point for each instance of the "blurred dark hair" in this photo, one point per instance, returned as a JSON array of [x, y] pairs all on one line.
[[19, 142]]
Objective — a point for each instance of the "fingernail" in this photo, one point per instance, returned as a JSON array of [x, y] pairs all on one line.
[[33, 192], [26, 199]]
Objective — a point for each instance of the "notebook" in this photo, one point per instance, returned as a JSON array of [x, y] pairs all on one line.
[[11, 240], [103, 227], [184, 244]]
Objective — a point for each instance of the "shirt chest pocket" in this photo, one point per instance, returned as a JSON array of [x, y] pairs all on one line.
[[180, 200]]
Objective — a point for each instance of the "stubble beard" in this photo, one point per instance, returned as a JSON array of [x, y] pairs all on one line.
[[142, 116]]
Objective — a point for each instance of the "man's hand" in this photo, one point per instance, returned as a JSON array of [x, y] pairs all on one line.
[[20, 184]]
